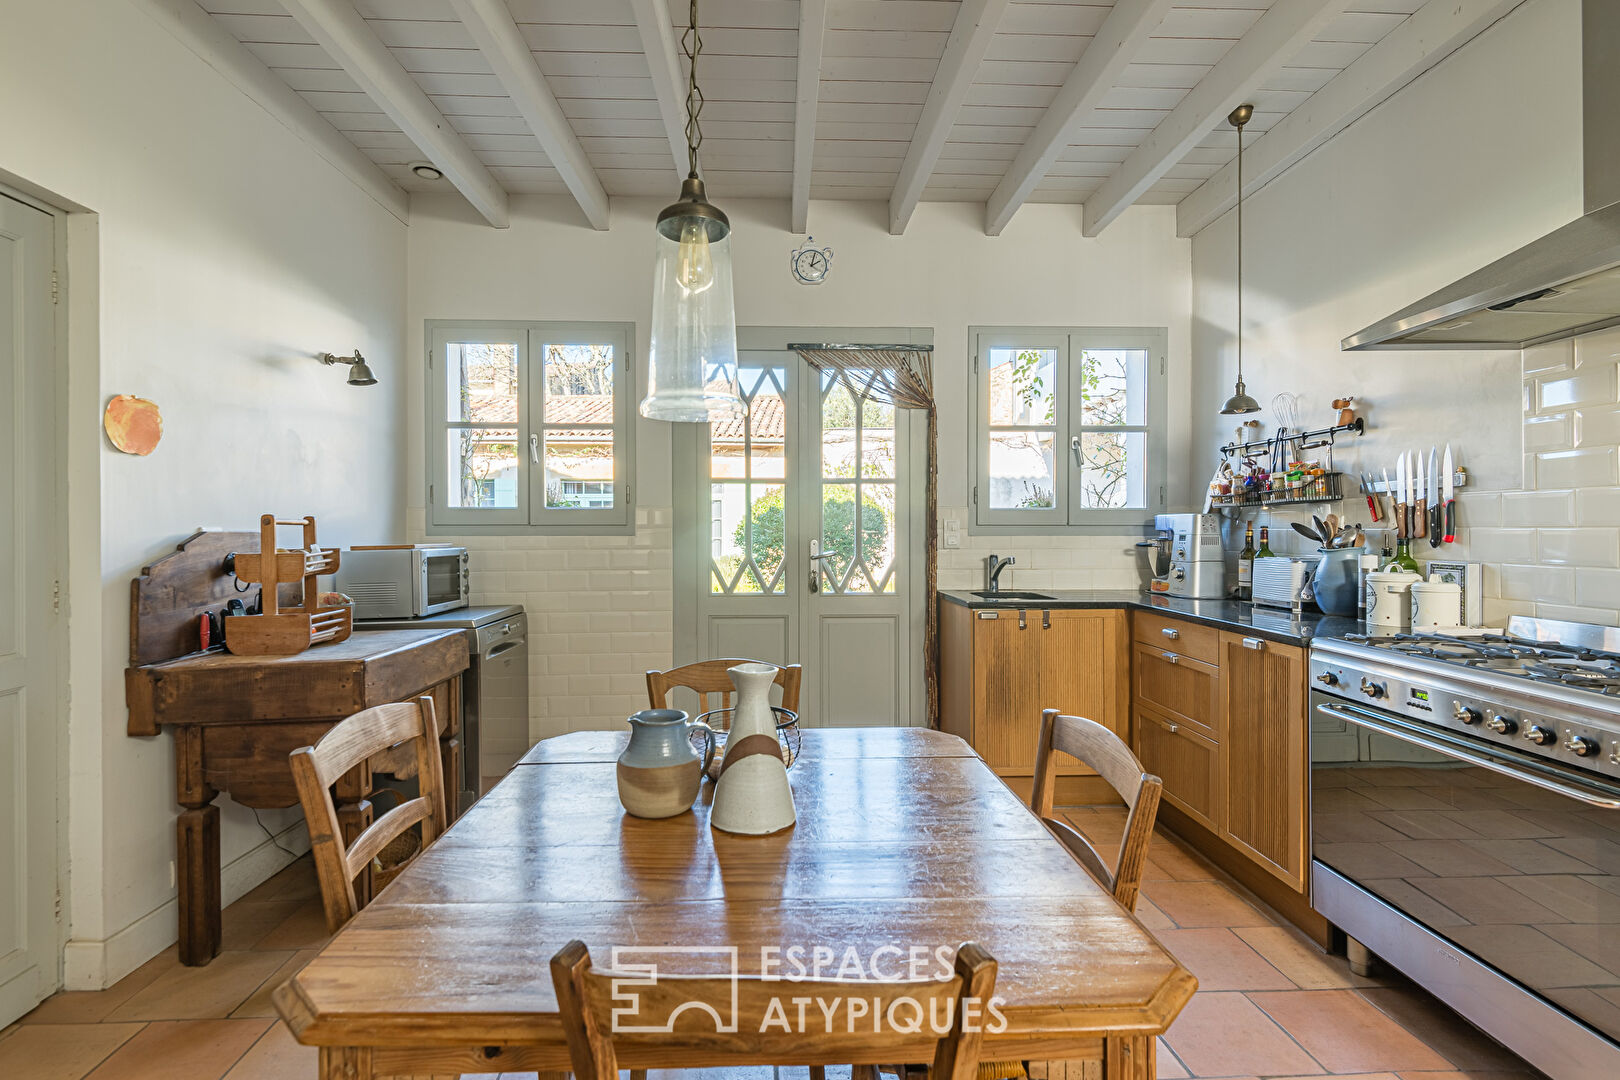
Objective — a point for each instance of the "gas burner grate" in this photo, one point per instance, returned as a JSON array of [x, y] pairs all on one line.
[[1603, 680]]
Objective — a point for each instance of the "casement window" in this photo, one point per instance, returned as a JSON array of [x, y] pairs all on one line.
[[530, 427], [1069, 427]]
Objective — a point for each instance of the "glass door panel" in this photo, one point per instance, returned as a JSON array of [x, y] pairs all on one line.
[[748, 513], [856, 548]]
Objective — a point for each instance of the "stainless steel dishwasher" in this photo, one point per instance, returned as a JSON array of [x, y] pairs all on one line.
[[494, 692]]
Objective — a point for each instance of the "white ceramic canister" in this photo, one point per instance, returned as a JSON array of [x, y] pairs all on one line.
[[752, 795], [1389, 597], [1365, 565], [1435, 603]]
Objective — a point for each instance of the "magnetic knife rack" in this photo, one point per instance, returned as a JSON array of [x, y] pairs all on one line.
[[1459, 479]]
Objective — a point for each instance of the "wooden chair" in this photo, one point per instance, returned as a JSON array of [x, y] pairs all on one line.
[[1107, 753], [683, 1011], [708, 677], [351, 743]]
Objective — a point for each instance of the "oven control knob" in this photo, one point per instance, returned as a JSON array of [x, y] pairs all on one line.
[[1502, 725], [1327, 678], [1539, 735], [1372, 689], [1464, 714], [1581, 746]]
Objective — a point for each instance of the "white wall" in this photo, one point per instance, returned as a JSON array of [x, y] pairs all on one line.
[[1479, 156], [228, 254], [601, 607]]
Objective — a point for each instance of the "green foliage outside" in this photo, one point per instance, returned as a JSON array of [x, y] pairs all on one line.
[[768, 515]]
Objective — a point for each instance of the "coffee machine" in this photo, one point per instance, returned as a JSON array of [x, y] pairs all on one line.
[[1197, 562]]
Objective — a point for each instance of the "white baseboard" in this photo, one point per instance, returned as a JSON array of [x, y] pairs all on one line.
[[97, 964]]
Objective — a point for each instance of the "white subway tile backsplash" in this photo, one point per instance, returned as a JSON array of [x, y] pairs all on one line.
[[1556, 356], [1502, 545], [1570, 613], [1482, 509], [1547, 508], [1587, 386], [1598, 588], [1597, 348], [1596, 426], [1552, 432], [1580, 547], [1593, 467], [1545, 584], [1597, 506]]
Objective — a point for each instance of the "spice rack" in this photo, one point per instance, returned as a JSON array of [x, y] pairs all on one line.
[[1282, 447], [280, 631]]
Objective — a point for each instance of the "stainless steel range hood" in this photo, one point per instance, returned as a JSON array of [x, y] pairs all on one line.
[[1566, 283]]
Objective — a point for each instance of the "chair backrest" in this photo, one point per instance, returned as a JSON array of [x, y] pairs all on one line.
[[708, 677], [1107, 753], [350, 743], [690, 1021]]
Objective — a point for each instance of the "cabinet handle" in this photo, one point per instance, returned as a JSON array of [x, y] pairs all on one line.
[[1170, 632], [989, 614], [1023, 623], [1175, 729], [1171, 658], [1253, 643], [1046, 619]]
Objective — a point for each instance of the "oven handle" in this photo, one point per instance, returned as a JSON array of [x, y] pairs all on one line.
[[1592, 795]]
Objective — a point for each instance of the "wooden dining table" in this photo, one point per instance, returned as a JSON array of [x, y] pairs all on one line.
[[904, 839]]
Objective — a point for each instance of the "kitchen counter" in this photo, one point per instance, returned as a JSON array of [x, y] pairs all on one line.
[[1276, 624]]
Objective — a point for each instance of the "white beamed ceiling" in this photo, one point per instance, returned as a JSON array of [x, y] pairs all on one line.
[[879, 61]]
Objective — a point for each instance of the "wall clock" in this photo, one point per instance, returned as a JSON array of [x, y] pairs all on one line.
[[810, 263]]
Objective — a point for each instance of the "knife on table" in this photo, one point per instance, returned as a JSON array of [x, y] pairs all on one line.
[[1448, 502]]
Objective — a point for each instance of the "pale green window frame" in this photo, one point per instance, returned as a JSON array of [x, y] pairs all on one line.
[[1065, 512]]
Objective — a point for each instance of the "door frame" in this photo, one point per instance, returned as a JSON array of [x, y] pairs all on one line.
[[60, 537], [686, 486]]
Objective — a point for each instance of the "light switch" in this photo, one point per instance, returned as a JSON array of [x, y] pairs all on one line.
[[951, 539]]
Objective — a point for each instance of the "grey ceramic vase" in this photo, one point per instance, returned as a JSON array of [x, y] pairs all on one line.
[[659, 773]]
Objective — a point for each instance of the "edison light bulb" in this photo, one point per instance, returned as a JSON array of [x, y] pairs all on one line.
[[693, 267]]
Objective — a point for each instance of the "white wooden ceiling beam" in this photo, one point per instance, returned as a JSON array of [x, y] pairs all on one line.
[[1273, 40], [1116, 44], [339, 29], [1434, 32], [975, 26], [669, 84], [497, 35], [812, 32], [203, 35]]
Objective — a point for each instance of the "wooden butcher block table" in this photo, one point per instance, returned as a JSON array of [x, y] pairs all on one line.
[[236, 718]]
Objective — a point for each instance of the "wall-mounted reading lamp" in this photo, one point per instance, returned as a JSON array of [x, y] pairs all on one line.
[[359, 372]]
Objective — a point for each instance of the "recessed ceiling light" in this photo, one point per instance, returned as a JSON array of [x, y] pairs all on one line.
[[426, 170]]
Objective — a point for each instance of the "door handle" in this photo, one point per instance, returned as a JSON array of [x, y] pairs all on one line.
[[1175, 729], [1046, 618], [1023, 623], [1171, 658], [1253, 643], [1170, 632], [534, 448], [1074, 448]]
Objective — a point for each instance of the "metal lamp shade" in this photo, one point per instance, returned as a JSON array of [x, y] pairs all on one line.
[[1240, 402], [692, 364], [360, 373]]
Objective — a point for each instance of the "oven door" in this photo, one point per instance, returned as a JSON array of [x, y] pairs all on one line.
[[442, 580], [1511, 858]]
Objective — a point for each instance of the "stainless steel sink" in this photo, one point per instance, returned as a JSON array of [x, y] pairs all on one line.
[[1010, 595]]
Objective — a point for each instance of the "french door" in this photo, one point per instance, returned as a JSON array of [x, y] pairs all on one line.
[[798, 539]]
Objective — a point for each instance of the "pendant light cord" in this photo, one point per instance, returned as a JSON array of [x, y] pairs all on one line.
[[692, 44], [1239, 250]]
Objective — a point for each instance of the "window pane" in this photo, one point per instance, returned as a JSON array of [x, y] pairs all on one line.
[[767, 537], [579, 468], [1023, 386], [837, 432], [579, 384], [747, 554], [483, 468], [481, 383], [877, 441], [1113, 387], [860, 541], [1021, 470], [1114, 473]]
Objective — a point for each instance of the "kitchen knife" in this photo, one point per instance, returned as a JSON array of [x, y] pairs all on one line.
[[1389, 493], [1448, 502], [1402, 522], [1420, 508], [1372, 495], [1436, 526]]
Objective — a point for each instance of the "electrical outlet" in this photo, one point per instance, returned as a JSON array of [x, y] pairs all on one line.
[[951, 540]]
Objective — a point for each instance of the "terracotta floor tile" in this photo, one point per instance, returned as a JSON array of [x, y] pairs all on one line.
[[278, 1056], [303, 929], [192, 1049], [1344, 1032], [60, 1051], [245, 922], [1222, 960], [1290, 953], [1203, 903], [197, 993], [1166, 1065], [1469, 1075], [1150, 916], [1448, 1034], [1227, 1035], [259, 1004]]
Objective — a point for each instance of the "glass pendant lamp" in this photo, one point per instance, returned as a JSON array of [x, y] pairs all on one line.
[[1240, 402], [692, 364]]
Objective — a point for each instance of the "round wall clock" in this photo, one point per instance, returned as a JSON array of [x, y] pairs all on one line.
[[810, 263]]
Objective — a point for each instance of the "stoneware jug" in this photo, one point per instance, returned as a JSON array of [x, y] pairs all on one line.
[[659, 772], [753, 795]]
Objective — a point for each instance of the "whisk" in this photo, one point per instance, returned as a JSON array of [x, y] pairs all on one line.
[[1285, 411]]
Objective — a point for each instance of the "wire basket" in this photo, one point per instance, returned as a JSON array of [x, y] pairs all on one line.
[[1324, 488], [719, 720]]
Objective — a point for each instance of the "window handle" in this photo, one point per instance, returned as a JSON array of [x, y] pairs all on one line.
[[1074, 448], [534, 448]]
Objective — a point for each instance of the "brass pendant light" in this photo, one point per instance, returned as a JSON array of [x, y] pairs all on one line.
[[692, 359], [1240, 402]]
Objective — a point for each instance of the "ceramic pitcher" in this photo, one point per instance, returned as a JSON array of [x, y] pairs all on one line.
[[753, 795], [659, 772]]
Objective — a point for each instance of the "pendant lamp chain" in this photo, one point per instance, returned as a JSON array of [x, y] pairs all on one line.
[[692, 45], [1240, 401]]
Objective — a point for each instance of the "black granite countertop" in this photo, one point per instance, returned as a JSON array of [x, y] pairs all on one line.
[[1277, 624]]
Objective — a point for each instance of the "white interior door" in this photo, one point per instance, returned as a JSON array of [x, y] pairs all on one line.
[[794, 543], [29, 695]]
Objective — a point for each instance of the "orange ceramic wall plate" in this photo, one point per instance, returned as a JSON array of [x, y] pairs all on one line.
[[134, 424]]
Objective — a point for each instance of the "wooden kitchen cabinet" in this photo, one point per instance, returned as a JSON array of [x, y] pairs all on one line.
[[1264, 754], [1000, 667], [1186, 759]]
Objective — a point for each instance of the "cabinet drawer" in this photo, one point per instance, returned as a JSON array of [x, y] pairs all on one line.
[[1178, 686], [1188, 639], [1184, 759]]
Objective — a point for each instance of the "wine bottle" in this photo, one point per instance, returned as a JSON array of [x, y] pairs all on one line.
[[1246, 564]]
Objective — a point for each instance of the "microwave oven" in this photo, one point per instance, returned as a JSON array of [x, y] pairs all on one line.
[[403, 582]]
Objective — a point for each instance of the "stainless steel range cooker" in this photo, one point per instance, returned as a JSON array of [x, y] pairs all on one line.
[[1465, 825]]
